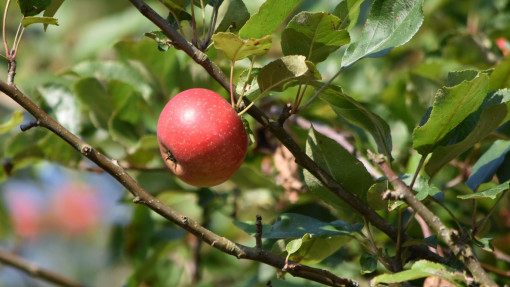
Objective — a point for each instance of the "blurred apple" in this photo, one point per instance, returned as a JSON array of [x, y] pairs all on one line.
[[75, 209]]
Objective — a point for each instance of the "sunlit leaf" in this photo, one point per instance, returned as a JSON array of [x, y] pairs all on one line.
[[277, 74], [490, 119], [52, 9], [451, 106], [348, 11], [15, 119], [314, 35], [236, 48], [390, 24], [491, 193], [422, 269], [26, 21], [270, 15]]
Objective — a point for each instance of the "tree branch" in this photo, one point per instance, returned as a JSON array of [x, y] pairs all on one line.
[[144, 197], [279, 132], [35, 271], [450, 236]]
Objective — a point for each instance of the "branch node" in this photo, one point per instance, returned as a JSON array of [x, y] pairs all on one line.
[[26, 126], [185, 220], [285, 114], [86, 150], [258, 234], [137, 199]]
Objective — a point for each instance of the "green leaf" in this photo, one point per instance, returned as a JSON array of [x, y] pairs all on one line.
[[15, 119], [491, 193], [368, 263], [353, 112], [32, 7], [56, 149], [451, 106], [421, 186], [490, 119], [488, 164], [113, 70], [500, 77], [315, 249], [235, 16], [270, 15], [314, 35], [340, 164], [276, 75], [422, 269], [26, 21], [164, 43], [390, 23], [348, 11], [291, 225], [62, 105], [236, 48], [93, 95], [145, 151], [294, 245], [484, 243], [52, 9], [374, 195]]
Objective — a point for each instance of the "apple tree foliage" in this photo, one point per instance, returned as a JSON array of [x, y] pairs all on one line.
[[422, 83]]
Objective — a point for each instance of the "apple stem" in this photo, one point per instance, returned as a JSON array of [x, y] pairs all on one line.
[[232, 100], [240, 100]]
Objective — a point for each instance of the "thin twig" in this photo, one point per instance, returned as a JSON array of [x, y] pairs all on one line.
[[35, 271], [258, 232], [450, 236], [3, 29]]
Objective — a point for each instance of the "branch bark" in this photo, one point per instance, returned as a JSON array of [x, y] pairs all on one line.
[[35, 271], [141, 196], [450, 236], [279, 132]]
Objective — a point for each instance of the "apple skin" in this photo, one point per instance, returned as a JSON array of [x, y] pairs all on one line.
[[201, 138]]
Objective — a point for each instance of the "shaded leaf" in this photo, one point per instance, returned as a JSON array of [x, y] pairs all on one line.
[[314, 35], [389, 24], [374, 195], [340, 164], [235, 17], [491, 193], [291, 225], [368, 263], [26, 21], [236, 48], [270, 15], [422, 269], [93, 95], [487, 165], [451, 106], [32, 7], [15, 119], [353, 112], [315, 249], [276, 75]]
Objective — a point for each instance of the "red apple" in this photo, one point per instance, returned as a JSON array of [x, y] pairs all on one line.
[[201, 137]]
